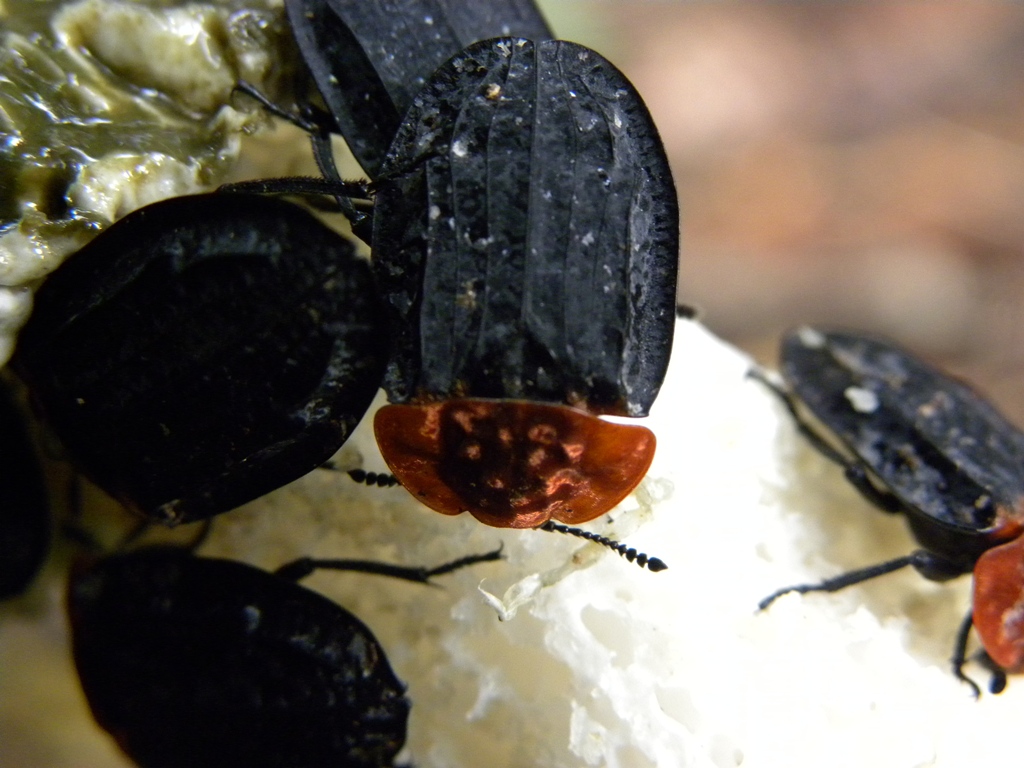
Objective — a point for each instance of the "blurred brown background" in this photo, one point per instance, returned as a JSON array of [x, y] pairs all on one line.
[[854, 164]]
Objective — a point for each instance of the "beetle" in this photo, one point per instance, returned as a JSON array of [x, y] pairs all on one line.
[[369, 60], [191, 660], [566, 127], [204, 351], [917, 442], [24, 506], [525, 241]]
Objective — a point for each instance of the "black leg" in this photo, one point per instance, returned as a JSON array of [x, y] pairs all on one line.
[[856, 472], [844, 580], [959, 657], [304, 566], [311, 122], [319, 125]]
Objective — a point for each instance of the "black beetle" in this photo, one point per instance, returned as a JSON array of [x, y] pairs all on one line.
[[370, 59], [191, 661], [24, 507], [918, 442], [526, 243], [204, 351]]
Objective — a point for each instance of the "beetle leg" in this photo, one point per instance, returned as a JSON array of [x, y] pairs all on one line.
[[304, 566], [844, 580], [319, 125], [310, 120], [302, 186], [997, 681], [323, 154], [349, 196], [959, 657], [856, 472]]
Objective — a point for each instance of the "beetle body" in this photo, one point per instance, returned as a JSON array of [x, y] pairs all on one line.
[[526, 243], [24, 508], [926, 445], [955, 464], [370, 59], [197, 661], [204, 351]]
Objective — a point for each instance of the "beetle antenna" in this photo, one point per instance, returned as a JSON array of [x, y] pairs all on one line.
[[653, 564], [997, 683], [380, 479], [361, 476]]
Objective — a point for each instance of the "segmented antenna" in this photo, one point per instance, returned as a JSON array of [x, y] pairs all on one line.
[[653, 564], [380, 479]]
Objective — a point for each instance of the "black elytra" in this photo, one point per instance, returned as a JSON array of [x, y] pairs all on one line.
[[916, 441], [192, 661], [24, 506], [951, 462], [526, 235], [204, 351], [370, 59]]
